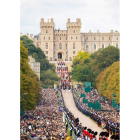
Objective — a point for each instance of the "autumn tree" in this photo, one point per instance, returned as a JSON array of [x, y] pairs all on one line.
[[39, 56], [101, 59], [30, 86], [108, 81]]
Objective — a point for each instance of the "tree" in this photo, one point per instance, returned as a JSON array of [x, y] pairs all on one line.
[[29, 82], [48, 77], [94, 63], [108, 81], [101, 59], [39, 56], [81, 57], [80, 72]]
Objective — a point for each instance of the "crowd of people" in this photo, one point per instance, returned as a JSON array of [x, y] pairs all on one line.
[[82, 132], [45, 121], [62, 72], [51, 119], [107, 119]]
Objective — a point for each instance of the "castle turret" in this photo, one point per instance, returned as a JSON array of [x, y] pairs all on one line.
[[74, 37], [46, 37]]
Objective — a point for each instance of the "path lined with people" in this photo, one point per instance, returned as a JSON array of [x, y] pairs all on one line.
[[86, 121], [62, 72]]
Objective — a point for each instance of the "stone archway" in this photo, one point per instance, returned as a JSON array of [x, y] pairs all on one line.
[[59, 55]]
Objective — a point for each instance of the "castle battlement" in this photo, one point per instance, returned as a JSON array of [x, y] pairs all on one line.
[[47, 24], [60, 32], [65, 44], [29, 36], [74, 24]]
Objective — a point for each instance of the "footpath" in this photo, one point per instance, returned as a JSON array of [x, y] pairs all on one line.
[[86, 121]]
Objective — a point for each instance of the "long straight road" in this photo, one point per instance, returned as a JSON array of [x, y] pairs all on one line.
[[86, 121]]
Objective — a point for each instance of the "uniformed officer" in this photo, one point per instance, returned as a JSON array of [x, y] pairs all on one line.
[[101, 136], [106, 135], [112, 137]]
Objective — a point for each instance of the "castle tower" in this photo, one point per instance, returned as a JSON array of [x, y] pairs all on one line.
[[46, 37], [74, 38]]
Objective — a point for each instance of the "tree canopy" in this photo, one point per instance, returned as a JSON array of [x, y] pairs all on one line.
[[80, 66], [81, 57], [39, 56], [29, 82], [92, 65], [108, 81], [101, 59]]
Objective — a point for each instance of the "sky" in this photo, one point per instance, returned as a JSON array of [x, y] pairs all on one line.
[[102, 15]]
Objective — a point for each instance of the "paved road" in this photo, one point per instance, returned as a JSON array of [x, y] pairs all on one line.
[[86, 121]]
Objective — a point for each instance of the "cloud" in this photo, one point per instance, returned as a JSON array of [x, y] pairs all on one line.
[[102, 15]]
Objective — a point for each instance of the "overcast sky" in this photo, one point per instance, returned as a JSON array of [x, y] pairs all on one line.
[[102, 15]]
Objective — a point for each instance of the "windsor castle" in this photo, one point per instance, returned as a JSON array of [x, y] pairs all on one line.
[[65, 44]]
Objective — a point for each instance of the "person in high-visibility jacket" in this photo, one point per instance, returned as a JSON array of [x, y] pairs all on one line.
[[68, 138]]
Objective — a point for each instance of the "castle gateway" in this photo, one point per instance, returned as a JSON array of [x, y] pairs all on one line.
[[65, 44]]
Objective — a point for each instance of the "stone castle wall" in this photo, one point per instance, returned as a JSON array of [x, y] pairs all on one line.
[[69, 42]]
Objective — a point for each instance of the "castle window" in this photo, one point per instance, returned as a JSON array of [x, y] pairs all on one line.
[[66, 46], [46, 31], [102, 38], [46, 45], [116, 45], [109, 38], [76, 38], [94, 46], [54, 46], [66, 38], [73, 52], [74, 31], [66, 52], [60, 46], [102, 45], [71, 38], [73, 45], [54, 52], [54, 38], [37, 38], [44, 38], [86, 47], [87, 38], [49, 38], [116, 38], [94, 38], [46, 52], [60, 38]]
